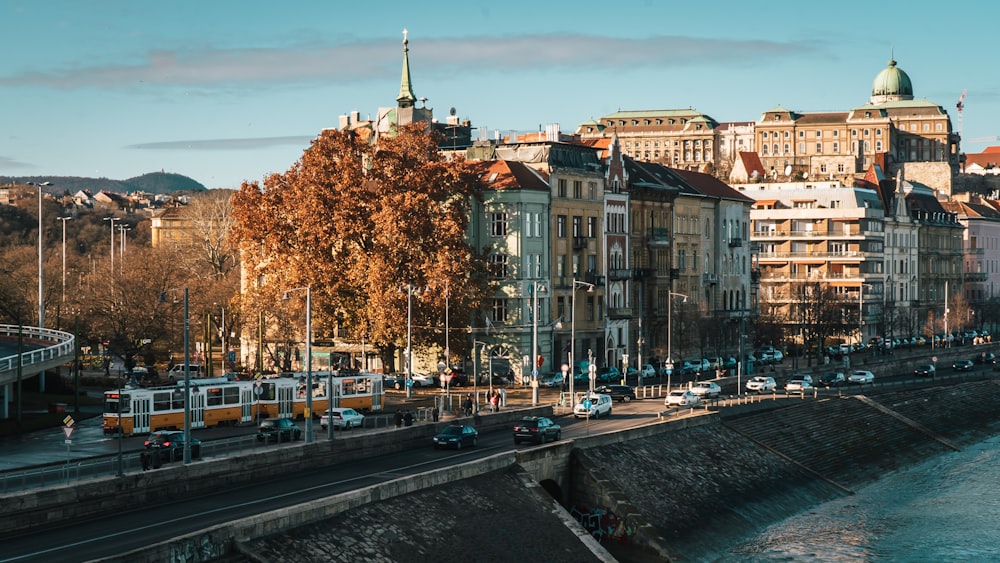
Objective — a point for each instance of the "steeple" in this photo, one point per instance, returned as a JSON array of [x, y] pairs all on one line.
[[406, 97]]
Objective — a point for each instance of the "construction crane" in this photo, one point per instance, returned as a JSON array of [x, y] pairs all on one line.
[[960, 105], [984, 139]]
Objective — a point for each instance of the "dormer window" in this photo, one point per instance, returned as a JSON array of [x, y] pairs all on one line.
[[777, 117]]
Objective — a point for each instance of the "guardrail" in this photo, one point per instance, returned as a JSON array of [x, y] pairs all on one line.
[[31, 359]]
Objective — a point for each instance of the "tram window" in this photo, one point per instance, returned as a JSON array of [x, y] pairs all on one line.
[[267, 392], [111, 405], [161, 401], [213, 396], [348, 387], [178, 399], [126, 404], [231, 395]]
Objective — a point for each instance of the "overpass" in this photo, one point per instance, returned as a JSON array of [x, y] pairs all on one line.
[[41, 349]]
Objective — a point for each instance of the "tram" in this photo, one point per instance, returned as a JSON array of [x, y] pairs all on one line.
[[220, 402]]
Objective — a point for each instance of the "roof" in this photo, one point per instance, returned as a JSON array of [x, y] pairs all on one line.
[[509, 175], [711, 186]]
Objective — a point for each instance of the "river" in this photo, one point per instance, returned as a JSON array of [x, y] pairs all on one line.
[[945, 509]]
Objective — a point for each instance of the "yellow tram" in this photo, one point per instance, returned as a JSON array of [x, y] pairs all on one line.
[[220, 402]]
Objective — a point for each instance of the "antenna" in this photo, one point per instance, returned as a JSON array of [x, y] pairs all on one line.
[[788, 170], [452, 111]]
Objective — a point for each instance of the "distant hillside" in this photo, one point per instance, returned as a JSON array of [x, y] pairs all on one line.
[[153, 183]]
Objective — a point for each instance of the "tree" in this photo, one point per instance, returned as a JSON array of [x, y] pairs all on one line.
[[358, 221], [209, 219]]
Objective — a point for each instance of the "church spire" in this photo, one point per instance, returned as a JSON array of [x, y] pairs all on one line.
[[406, 97]]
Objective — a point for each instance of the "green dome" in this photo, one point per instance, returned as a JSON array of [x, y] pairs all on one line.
[[892, 84]]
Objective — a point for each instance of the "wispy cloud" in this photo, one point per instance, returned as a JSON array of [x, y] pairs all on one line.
[[6, 162], [366, 60], [225, 144]]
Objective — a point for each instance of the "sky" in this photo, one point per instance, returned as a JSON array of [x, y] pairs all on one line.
[[229, 91]]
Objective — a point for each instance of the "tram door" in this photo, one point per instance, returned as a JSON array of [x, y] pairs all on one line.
[[197, 408], [246, 401], [376, 389], [285, 395], [336, 392], [140, 413]]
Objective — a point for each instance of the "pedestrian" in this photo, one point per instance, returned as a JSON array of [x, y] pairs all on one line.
[[408, 418], [398, 419], [503, 396], [495, 401], [435, 413], [467, 405], [144, 459]]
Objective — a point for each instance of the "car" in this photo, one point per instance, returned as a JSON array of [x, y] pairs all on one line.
[[861, 377], [832, 379], [801, 377], [648, 371], [925, 370], [986, 358], [609, 374], [278, 429], [458, 378], [456, 436], [707, 389], [343, 419], [620, 393], [424, 380], [962, 365], [714, 362], [761, 384], [397, 382], [552, 380], [599, 405], [681, 398], [729, 363], [538, 429], [169, 445], [798, 386]]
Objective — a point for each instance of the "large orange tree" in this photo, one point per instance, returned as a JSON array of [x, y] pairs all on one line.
[[358, 221]]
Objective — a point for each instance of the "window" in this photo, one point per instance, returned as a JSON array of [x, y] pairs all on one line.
[[836, 133], [840, 167], [592, 227], [592, 190], [498, 224], [819, 134], [562, 185], [560, 265], [577, 226], [836, 147], [535, 265], [577, 189], [819, 147], [802, 147], [500, 310], [681, 259], [788, 149], [854, 132], [498, 265], [764, 135], [561, 226], [786, 134]]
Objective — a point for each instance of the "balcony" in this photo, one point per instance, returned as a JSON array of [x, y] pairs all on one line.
[[975, 251], [615, 275], [709, 279], [976, 276], [641, 273], [658, 236], [755, 276], [580, 243], [617, 313], [735, 243]]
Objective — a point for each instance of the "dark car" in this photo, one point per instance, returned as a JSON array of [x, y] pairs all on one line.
[[278, 430], [459, 379], [622, 393], [538, 429], [962, 365], [986, 358], [456, 436], [396, 382], [168, 445], [926, 370], [832, 379]]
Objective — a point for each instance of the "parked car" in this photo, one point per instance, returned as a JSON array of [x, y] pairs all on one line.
[[456, 436], [424, 380], [343, 419], [962, 365], [278, 430], [622, 393], [600, 405], [609, 374], [729, 363], [761, 384], [538, 429], [832, 379], [169, 445], [798, 386], [801, 377], [707, 389], [681, 398], [925, 370], [396, 382], [861, 377], [986, 358], [648, 371], [552, 380]]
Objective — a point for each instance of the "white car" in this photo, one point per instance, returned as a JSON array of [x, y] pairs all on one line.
[[761, 384], [798, 386], [707, 389], [861, 377], [424, 380], [648, 371], [600, 405], [343, 419], [681, 398]]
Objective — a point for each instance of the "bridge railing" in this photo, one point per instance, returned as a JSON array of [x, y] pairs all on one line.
[[62, 347]]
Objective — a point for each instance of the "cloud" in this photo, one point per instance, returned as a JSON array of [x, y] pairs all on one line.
[[225, 144], [361, 61], [6, 162]]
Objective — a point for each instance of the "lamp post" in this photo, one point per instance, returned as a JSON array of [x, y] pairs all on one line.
[[187, 375], [309, 388], [572, 334], [538, 287], [861, 313], [475, 373], [64, 219], [670, 332], [41, 272], [112, 220], [410, 290], [121, 241]]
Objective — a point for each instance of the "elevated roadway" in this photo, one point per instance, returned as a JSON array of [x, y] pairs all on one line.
[[41, 349]]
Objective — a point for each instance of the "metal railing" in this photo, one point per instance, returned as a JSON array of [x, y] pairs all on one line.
[[32, 359]]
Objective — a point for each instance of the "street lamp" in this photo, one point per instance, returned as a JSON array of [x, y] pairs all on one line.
[[670, 332], [475, 372], [572, 334], [121, 241], [861, 313], [112, 220], [410, 290], [538, 287], [41, 273], [309, 386], [187, 375], [64, 219]]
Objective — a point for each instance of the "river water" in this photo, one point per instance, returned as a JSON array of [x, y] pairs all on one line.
[[945, 509]]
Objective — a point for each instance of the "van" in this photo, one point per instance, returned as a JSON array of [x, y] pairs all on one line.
[[177, 372]]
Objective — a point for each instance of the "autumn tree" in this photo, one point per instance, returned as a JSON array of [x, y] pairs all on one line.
[[209, 250], [356, 221]]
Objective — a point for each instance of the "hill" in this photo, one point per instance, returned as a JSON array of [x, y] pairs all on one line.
[[153, 183]]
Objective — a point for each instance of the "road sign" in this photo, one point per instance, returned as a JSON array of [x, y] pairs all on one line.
[[534, 373], [934, 359], [409, 383], [68, 421], [68, 431]]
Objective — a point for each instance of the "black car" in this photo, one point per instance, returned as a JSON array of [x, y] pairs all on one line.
[[278, 430], [832, 379], [538, 429], [622, 393], [985, 358], [168, 445], [396, 382], [456, 436]]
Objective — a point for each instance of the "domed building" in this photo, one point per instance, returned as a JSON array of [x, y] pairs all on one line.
[[891, 85]]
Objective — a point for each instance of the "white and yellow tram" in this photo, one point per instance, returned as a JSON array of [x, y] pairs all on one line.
[[220, 402]]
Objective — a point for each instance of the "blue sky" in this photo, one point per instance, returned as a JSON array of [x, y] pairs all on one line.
[[227, 91]]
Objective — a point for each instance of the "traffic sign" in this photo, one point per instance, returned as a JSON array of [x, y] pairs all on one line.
[[68, 431], [534, 373], [68, 421]]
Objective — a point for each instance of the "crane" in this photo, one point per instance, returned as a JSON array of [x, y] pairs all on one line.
[[984, 139], [960, 105]]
